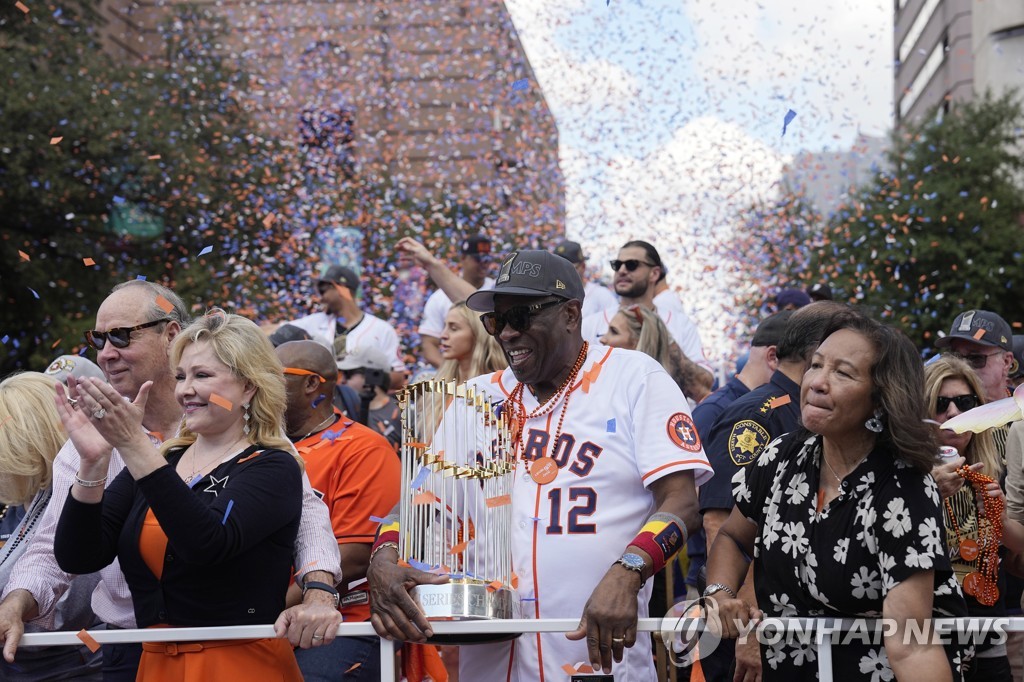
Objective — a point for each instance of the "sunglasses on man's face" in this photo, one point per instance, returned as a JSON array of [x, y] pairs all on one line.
[[119, 337], [976, 360], [518, 317], [962, 402], [631, 264]]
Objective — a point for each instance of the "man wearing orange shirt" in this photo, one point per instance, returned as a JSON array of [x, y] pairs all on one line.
[[356, 472]]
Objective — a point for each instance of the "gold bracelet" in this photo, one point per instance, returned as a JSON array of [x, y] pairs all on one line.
[[90, 484], [382, 546]]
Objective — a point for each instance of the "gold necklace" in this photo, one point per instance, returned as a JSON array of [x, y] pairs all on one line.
[[834, 474], [318, 427], [192, 476]]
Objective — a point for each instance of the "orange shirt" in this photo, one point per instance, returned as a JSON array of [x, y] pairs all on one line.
[[356, 472]]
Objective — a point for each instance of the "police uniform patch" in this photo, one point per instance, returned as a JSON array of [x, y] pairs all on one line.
[[683, 432], [746, 441]]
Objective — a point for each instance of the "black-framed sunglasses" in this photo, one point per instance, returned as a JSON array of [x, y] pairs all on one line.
[[976, 360], [631, 264], [120, 337], [962, 402], [518, 317]]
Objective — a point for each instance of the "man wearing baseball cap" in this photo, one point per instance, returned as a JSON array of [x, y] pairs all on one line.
[[475, 264], [596, 297], [604, 438], [346, 324], [985, 341]]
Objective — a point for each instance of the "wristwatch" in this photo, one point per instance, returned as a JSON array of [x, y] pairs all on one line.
[[314, 585], [718, 587], [633, 562]]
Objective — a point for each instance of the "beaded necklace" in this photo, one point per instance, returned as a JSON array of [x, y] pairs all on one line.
[[519, 410], [983, 583]]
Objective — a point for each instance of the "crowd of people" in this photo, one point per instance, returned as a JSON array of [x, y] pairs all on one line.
[[212, 471]]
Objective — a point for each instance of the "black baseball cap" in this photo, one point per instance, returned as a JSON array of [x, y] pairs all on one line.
[[980, 326], [1018, 355], [289, 332], [820, 292], [771, 329], [531, 273], [570, 251], [339, 274], [477, 245]]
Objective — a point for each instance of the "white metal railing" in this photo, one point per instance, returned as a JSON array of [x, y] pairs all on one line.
[[826, 629]]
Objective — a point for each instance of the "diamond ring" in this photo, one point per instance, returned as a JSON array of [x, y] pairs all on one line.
[[99, 414]]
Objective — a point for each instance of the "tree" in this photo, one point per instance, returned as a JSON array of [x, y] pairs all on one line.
[[942, 231], [110, 170]]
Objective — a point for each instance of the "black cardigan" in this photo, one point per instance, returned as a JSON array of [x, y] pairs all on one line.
[[230, 539]]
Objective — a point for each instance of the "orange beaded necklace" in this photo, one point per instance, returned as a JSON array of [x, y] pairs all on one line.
[[983, 583]]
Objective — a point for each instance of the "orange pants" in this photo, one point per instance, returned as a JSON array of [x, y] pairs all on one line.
[[252, 660]]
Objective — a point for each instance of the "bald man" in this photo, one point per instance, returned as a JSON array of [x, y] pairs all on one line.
[[354, 470]]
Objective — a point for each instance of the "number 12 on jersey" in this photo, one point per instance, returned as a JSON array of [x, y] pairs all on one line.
[[585, 500]]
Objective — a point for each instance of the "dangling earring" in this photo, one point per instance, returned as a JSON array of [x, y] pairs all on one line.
[[245, 418], [874, 422]]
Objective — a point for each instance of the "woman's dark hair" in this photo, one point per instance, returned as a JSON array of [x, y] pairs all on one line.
[[898, 379], [652, 253]]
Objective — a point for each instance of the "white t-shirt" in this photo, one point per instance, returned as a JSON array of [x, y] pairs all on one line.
[[679, 325], [597, 297], [436, 308], [669, 300], [371, 331], [628, 425]]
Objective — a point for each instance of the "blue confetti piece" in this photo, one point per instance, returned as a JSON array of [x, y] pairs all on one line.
[[536, 519], [790, 115], [610, 427], [33, 292], [421, 477], [231, 503], [6, 338], [206, 250], [521, 84], [420, 565], [141, 277], [376, 519], [118, 200], [528, 599], [320, 398]]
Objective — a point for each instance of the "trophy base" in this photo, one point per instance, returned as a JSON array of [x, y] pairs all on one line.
[[459, 600]]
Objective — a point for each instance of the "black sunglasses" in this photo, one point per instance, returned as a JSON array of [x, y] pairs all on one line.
[[962, 402], [518, 317], [631, 264], [975, 360], [120, 337]]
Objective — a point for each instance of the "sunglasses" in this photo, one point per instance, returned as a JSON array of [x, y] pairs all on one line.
[[962, 402], [518, 317], [119, 337], [976, 360], [304, 373], [631, 264]]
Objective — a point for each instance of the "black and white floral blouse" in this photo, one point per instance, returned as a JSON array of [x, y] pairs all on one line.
[[841, 562]]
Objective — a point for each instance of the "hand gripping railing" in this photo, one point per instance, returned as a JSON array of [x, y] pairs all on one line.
[[826, 629]]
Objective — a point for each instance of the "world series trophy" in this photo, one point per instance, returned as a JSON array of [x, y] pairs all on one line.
[[455, 515]]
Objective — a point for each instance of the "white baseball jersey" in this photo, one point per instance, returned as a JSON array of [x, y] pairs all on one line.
[[597, 297], [627, 426], [669, 300], [371, 331], [436, 308], [679, 325]]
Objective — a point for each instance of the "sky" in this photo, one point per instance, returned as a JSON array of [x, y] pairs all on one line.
[[670, 115]]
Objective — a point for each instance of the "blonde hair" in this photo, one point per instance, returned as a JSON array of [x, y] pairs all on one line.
[[247, 352], [487, 354], [30, 437], [982, 446], [652, 337]]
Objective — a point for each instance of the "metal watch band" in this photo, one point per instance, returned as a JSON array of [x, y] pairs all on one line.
[[718, 587]]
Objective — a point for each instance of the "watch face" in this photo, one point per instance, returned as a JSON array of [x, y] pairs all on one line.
[[633, 561]]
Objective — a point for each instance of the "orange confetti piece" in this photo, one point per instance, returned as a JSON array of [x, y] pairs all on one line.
[[269, 220], [153, 157], [353, 667], [164, 304], [423, 498], [415, 444], [24, 256], [221, 401], [569, 670], [88, 640], [88, 261], [979, 333], [56, 140], [515, 580], [585, 669], [404, 564], [24, 9], [56, 343], [495, 586], [779, 401], [499, 501], [459, 548]]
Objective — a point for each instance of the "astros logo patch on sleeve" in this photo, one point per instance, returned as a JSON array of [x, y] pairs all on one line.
[[746, 441], [683, 433]]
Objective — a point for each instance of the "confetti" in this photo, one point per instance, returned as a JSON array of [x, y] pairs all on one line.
[[779, 401], [353, 667], [499, 501], [55, 140], [20, 5], [221, 401], [227, 511], [420, 479], [377, 519], [790, 115], [459, 548], [164, 304], [423, 498], [206, 250], [24, 256], [88, 261], [88, 640]]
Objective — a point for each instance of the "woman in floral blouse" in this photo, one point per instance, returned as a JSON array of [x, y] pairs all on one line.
[[843, 520]]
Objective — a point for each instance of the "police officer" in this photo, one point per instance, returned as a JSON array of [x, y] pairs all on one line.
[[742, 432]]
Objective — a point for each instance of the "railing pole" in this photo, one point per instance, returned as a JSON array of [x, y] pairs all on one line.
[[387, 661]]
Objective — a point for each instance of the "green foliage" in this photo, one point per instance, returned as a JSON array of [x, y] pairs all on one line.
[[942, 231]]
